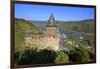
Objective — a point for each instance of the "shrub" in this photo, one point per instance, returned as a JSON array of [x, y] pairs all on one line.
[[34, 56], [92, 56], [84, 54], [61, 57], [80, 54], [74, 55]]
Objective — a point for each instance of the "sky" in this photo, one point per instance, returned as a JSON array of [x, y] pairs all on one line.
[[61, 13]]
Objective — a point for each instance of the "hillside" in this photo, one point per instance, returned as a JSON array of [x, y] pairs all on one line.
[[21, 26], [85, 26]]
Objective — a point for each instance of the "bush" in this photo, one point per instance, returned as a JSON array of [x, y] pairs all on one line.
[[79, 55], [46, 56], [27, 56], [34, 56], [61, 57], [84, 54], [92, 56], [75, 55]]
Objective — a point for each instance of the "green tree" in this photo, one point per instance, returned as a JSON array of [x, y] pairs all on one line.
[[78, 54], [84, 54], [74, 55], [61, 58], [34, 56]]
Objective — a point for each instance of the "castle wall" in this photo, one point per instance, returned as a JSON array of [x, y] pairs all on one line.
[[42, 42], [52, 42]]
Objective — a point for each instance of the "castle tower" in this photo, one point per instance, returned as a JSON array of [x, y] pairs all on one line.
[[51, 28], [49, 39], [52, 38]]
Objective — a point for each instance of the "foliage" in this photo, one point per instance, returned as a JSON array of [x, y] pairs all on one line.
[[92, 56], [87, 42], [80, 54], [84, 54], [61, 58], [34, 56], [79, 50], [43, 56], [74, 54], [40, 56]]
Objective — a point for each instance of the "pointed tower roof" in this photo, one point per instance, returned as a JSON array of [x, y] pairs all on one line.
[[51, 21]]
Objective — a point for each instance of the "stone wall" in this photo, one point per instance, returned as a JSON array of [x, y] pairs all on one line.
[[43, 41]]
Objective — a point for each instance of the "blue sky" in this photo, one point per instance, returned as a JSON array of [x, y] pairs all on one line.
[[62, 13]]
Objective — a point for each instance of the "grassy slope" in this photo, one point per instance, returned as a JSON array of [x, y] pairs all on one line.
[[21, 26], [83, 26]]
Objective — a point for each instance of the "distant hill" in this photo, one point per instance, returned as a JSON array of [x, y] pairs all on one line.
[[21, 26], [85, 26]]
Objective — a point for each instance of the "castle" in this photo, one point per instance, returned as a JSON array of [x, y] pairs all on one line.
[[48, 39]]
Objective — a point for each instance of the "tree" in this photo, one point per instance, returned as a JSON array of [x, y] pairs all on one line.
[[79, 54], [34, 56], [46, 56], [74, 55], [61, 58], [84, 54], [92, 56]]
